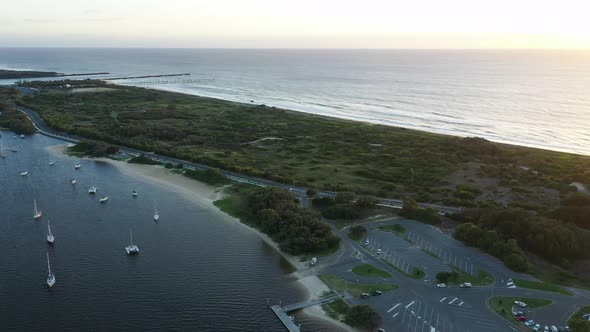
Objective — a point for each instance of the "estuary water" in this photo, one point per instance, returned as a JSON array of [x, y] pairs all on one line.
[[196, 270], [532, 98]]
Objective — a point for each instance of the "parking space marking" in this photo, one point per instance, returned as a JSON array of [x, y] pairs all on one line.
[[393, 308], [411, 304], [444, 298], [395, 315], [453, 300], [460, 304]]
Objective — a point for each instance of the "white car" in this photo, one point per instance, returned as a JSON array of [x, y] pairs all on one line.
[[378, 251], [367, 242], [529, 323], [520, 304], [537, 327], [441, 285]]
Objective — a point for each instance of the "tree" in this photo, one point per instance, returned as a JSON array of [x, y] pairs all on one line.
[[362, 316], [580, 325], [366, 202], [311, 192], [345, 197], [358, 232]]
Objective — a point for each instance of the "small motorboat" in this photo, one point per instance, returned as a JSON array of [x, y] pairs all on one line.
[[22, 136], [103, 199], [73, 181], [52, 163], [24, 173], [134, 193], [92, 190], [77, 166]]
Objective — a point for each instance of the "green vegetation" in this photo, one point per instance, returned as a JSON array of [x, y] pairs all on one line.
[[503, 305], [458, 277], [416, 273], [10, 118], [363, 316], [357, 232], [92, 149], [141, 159], [411, 210], [354, 289], [336, 309], [395, 228], [368, 270], [577, 323], [277, 213], [209, 176], [541, 286]]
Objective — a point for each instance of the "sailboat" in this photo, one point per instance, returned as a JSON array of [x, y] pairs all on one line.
[[134, 193], [50, 275], [24, 173], [52, 163], [131, 249], [2, 155], [92, 190], [103, 199], [77, 166], [156, 214], [37, 213], [73, 181], [50, 237]]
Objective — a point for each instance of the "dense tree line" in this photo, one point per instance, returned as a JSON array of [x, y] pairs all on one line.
[[412, 210], [94, 148], [574, 209], [363, 316], [14, 120], [346, 205], [297, 231]]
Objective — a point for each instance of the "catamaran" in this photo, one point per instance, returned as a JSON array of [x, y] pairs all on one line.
[[24, 173], [103, 199], [50, 276], [37, 214], [50, 237], [92, 190], [77, 166], [156, 214], [131, 249]]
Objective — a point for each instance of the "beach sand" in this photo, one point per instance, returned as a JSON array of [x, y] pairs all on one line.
[[204, 195]]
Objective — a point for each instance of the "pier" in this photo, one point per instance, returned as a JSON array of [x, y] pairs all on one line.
[[281, 312]]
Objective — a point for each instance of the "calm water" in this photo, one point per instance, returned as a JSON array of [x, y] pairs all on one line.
[[533, 98], [196, 271]]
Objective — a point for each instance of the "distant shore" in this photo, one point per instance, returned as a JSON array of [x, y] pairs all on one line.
[[204, 195]]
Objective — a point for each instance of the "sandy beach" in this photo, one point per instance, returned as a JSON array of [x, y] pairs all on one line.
[[204, 195]]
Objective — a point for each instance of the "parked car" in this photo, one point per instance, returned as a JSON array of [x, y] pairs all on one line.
[[381, 330], [365, 295], [379, 251], [366, 242], [465, 285], [537, 327], [377, 292], [441, 285], [520, 304], [521, 318], [546, 328], [529, 323], [554, 328], [518, 313]]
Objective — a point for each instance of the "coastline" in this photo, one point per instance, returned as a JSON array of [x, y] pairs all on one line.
[[204, 195]]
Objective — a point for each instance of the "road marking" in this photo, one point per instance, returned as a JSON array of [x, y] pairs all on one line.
[[395, 315], [393, 308], [453, 300], [409, 305], [444, 298], [461, 303]]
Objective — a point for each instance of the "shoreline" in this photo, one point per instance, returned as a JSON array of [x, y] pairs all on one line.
[[204, 195]]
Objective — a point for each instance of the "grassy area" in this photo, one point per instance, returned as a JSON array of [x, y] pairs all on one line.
[[503, 305], [304, 149], [416, 273], [336, 309], [541, 286], [368, 270], [355, 237], [234, 203], [482, 278], [354, 289], [581, 312], [395, 228]]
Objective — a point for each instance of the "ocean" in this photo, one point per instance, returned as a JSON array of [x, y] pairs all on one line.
[[531, 98]]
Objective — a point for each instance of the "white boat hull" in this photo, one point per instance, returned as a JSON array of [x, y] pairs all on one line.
[[37, 215], [50, 239]]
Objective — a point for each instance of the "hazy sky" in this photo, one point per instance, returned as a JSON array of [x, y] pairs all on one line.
[[296, 23]]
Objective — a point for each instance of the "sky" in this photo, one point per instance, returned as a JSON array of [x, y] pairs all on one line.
[[296, 23]]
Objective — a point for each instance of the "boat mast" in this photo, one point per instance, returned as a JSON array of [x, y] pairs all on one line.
[[48, 227], [131, 236], [48, 266], [35, 203]]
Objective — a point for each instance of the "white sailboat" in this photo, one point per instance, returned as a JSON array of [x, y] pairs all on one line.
[[2, 155], [156, 214], [52, 163], [24, 173], [131, 249], [103, 199], [50, 275], [50, 237], [92, 190], [77, 166], [134, 193], [37, 214], [73, 181]]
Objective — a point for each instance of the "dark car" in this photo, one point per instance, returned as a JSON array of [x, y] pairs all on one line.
[[377, 292]]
